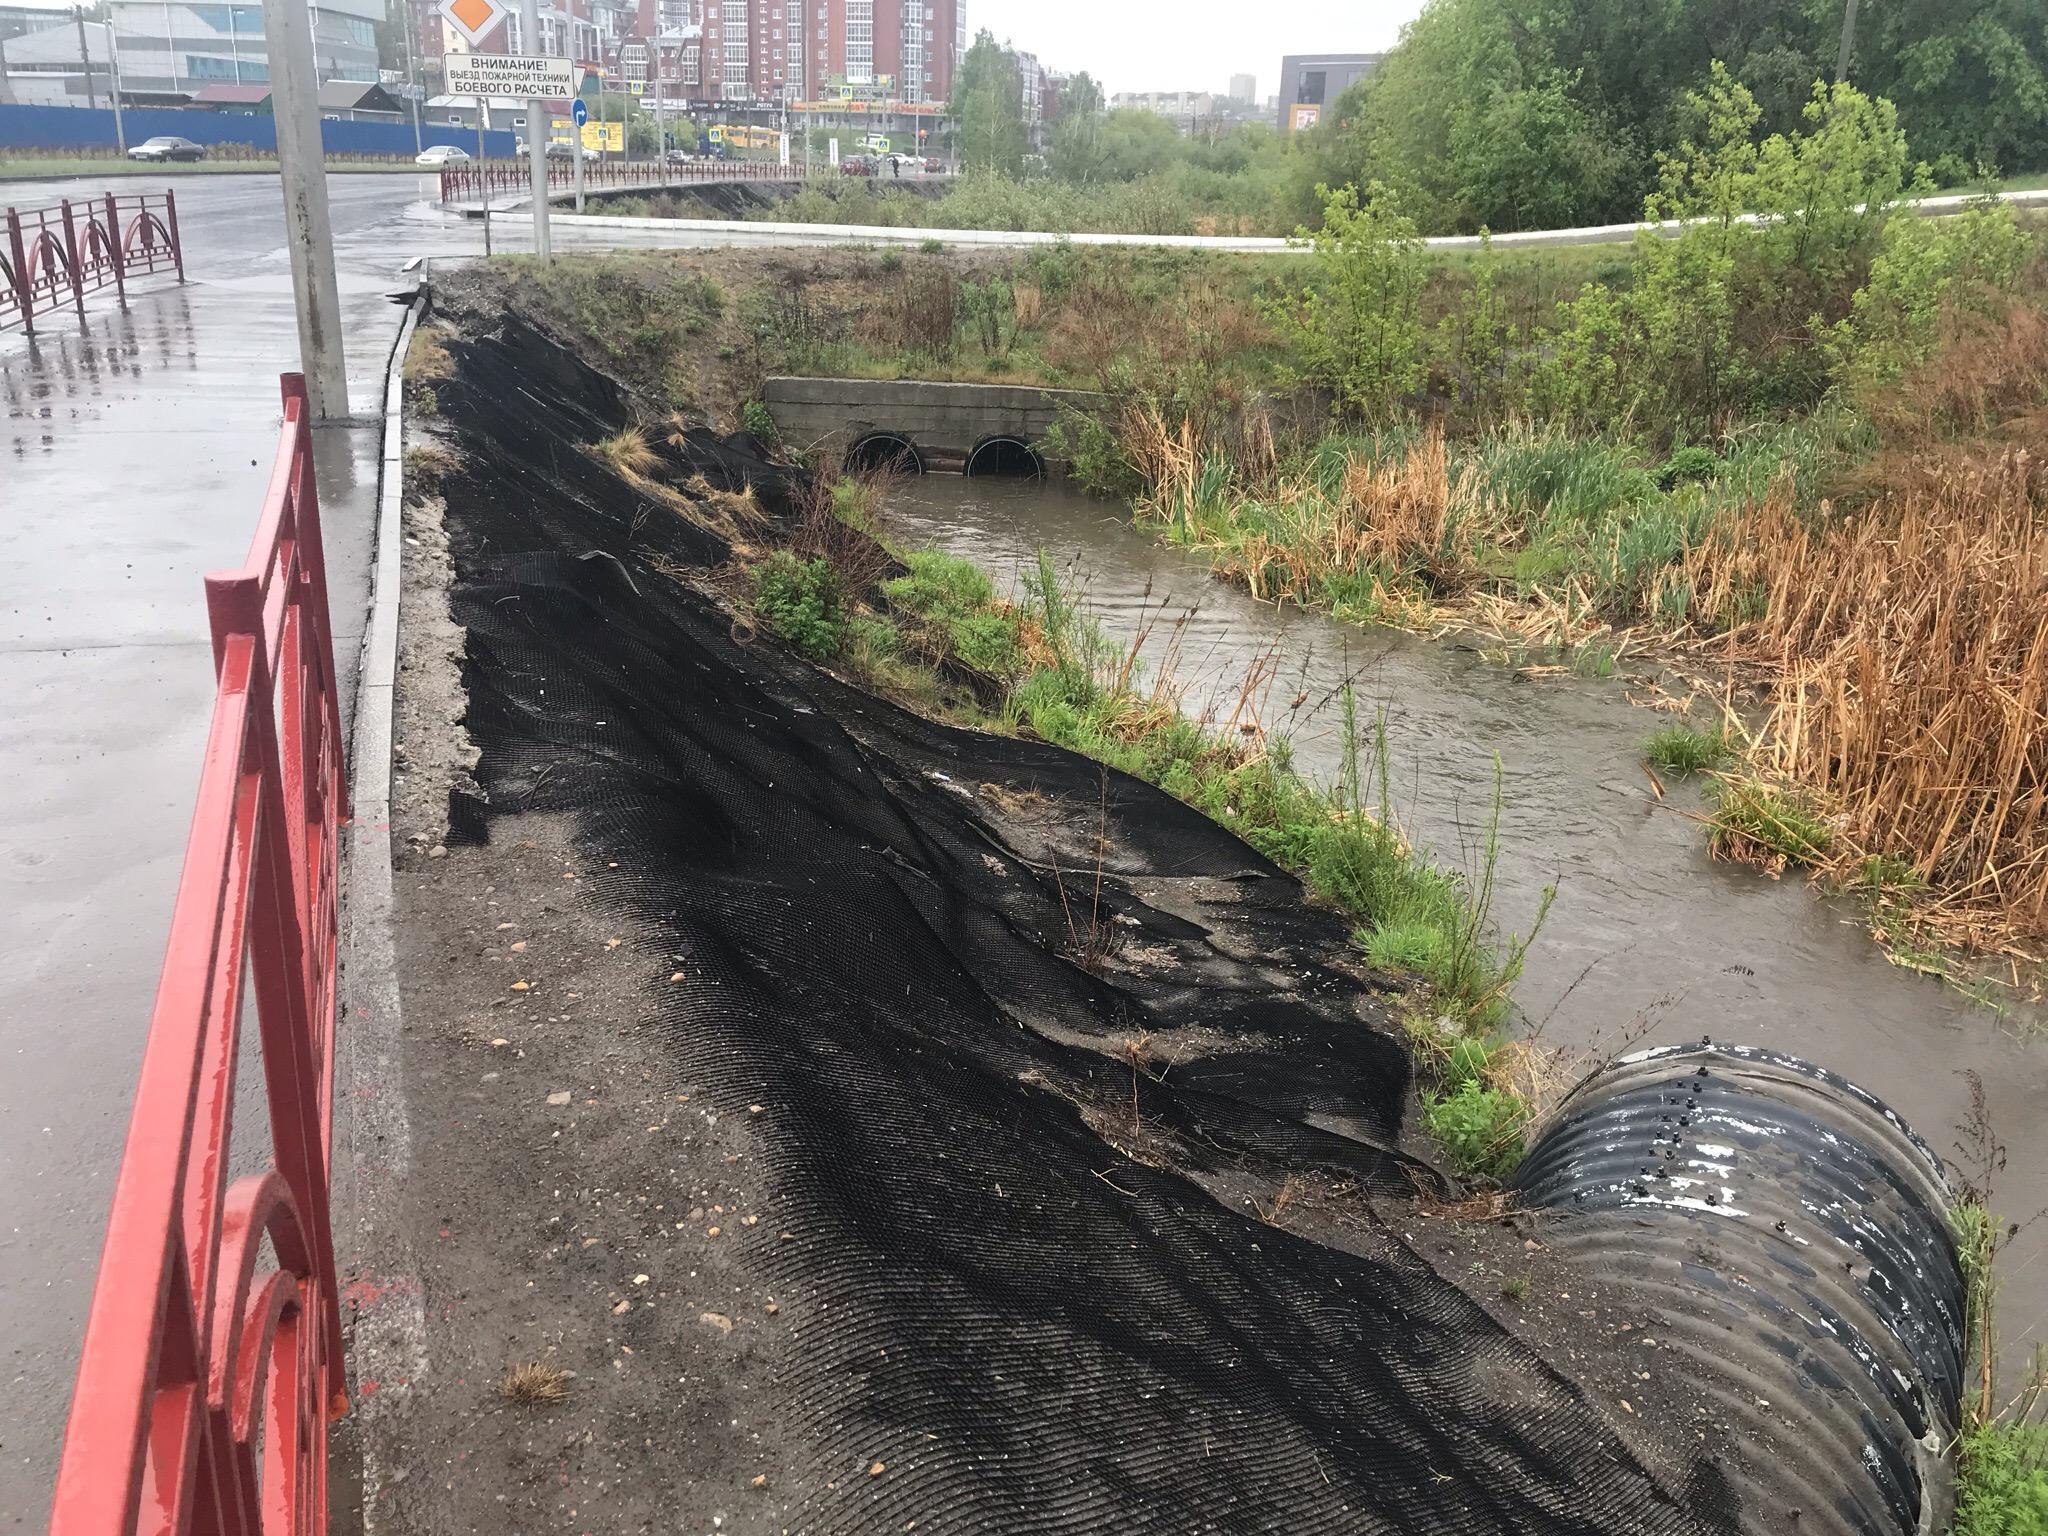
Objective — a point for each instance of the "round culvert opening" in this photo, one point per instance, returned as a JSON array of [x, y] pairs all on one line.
[[889, 451], [1009, 458]]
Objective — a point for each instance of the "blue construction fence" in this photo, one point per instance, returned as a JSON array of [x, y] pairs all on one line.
[[23, 128]]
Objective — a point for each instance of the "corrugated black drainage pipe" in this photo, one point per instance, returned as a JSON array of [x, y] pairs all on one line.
[[1792, 1234]]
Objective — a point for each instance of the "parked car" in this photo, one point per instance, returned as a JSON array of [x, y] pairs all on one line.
[[855, 165], [557, 150], [167, 146], [680, 157], [438, 155], [934, 166]]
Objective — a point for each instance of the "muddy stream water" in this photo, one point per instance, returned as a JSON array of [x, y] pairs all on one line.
[[1649, 940]]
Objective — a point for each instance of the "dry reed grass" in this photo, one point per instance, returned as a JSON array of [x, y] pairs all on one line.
[[1909, 650], [1404, 514]]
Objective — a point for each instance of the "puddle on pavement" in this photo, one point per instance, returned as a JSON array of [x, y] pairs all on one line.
[[1650, 941]]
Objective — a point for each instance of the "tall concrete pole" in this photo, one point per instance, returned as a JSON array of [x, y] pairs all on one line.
[[309, 232], [114, 83], [84, 55], [537, 134], [1848, 42]]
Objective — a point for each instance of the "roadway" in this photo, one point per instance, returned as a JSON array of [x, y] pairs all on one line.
[[137, 446]]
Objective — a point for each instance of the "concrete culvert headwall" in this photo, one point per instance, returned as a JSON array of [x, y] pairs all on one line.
[[948, 422], [1791, 1234]]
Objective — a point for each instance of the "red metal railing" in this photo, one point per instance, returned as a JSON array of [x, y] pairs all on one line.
[[205, 1386], [62, 252], [480, 178]]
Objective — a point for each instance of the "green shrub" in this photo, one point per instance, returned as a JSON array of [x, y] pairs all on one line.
[[1478, 1127], [931, 245], [1357, 330], [990, 310], [756, 418], [889, 261], [800, 601], [1690, 465], [873, 637]]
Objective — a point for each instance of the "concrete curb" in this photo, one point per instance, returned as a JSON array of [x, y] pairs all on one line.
[[383, 1307]]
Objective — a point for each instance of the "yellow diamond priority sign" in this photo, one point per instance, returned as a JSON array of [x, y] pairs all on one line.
[[473, 18]]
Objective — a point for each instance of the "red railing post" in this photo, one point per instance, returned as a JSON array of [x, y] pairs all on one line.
[[75, 268], [171, 223], [24, 292], [114, 252]]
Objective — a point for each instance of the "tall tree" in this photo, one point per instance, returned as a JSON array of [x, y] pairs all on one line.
[[1077, 135], [988, 108]]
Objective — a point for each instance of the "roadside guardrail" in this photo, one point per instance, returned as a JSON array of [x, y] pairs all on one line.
[[212, 1363]]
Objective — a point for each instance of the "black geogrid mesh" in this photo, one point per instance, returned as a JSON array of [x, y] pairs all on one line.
[[1034, 1332]]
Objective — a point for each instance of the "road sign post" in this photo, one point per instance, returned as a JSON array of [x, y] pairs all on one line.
[[536, 146], [483, 112], [579, 114], [475, 19]]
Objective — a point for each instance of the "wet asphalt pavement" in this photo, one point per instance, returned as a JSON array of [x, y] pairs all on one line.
[[133, 461]]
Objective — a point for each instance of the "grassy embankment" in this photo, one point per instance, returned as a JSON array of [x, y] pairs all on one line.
[[1038, 666]]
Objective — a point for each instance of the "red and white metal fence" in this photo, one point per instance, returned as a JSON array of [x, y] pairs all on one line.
[[483, 178], [56, 255], [212, 1364]]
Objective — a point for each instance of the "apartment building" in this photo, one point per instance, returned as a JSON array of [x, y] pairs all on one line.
[[776, 52]]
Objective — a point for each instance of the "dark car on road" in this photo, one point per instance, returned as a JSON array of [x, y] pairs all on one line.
[[167, 146]]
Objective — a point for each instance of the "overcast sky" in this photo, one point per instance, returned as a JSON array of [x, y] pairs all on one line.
[[1187, 45]]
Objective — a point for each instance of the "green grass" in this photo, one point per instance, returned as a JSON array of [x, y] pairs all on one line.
[[1754, 819], [1682, 749]]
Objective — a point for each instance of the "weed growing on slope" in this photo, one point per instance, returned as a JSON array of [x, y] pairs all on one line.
[[800, 600], [2002, 1457]]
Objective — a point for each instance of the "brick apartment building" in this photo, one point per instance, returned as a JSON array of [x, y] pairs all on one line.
[[772, 52]]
